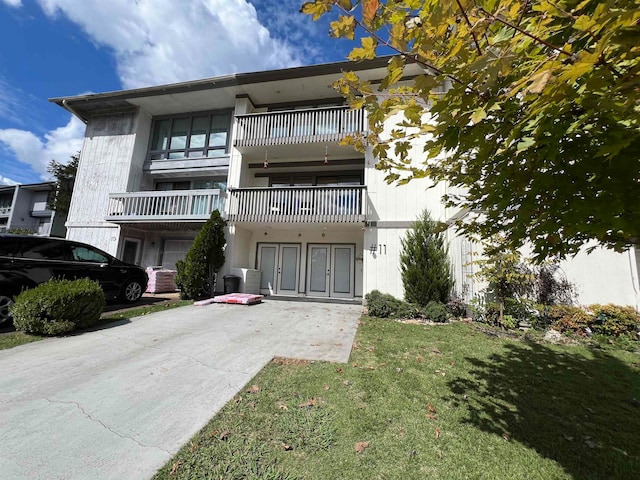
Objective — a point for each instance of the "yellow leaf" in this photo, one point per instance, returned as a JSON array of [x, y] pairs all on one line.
[[539, 81], [478, 115], [369, 9]]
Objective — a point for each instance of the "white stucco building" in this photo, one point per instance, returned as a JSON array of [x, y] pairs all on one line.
[[316, 218]]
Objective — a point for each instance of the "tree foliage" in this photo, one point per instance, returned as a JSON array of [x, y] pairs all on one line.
[[424, 263], [198, 271], [530, 109], [65, 176]]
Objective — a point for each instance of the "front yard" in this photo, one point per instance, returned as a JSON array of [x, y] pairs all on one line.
[[444, 401]]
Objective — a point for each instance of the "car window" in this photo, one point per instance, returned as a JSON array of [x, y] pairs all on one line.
[[8, 247], [86, 254], [43, 249]]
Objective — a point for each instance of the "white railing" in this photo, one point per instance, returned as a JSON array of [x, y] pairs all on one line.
[[298, 204], [5, 210], [174, 205], [298, 126]]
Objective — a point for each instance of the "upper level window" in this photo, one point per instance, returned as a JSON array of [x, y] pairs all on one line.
[[193, 136]]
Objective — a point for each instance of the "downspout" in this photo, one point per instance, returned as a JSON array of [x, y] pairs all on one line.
[[72, 111]]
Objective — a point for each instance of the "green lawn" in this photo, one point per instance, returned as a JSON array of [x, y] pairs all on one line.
[[13, 339], [429, 402]]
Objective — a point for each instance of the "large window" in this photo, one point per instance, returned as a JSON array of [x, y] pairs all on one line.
[[195, 136]]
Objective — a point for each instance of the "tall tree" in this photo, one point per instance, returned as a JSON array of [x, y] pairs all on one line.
[[65, 176], [424, 263], [538, 123]]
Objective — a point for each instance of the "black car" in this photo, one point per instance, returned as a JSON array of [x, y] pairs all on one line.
[[26, 261]]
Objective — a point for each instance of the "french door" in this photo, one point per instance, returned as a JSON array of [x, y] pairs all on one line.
[[279, 264], [330, 270]]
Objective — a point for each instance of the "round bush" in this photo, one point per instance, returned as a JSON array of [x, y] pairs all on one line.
[[58, 306]]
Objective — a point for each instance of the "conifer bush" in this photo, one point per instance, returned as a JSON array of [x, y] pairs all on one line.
[[197, 273], [424, 263]]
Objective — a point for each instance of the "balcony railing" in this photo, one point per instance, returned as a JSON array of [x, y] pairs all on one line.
[[298, 126], [298, 205], [175, 205], [5, 210]]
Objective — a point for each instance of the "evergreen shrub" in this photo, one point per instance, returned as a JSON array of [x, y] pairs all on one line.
[[58, 306]]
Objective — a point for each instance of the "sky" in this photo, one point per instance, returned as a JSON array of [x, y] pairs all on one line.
[[57, 48]]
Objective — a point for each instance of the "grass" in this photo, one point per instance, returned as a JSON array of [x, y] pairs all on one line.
[[14, 339], [451, 401], [139, 311]]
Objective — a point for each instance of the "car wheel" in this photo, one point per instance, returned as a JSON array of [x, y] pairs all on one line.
[[132, 291], [5, 314]]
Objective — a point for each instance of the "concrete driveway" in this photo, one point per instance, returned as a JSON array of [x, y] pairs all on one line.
[[119, 402]]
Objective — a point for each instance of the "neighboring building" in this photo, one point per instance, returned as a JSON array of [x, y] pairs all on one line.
[[27, 207], [316, 218]]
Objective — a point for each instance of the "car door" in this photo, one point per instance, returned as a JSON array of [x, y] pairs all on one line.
[[40, 259], [88, 262]]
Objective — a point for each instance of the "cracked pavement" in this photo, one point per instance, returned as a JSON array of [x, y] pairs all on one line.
[[119, 402]]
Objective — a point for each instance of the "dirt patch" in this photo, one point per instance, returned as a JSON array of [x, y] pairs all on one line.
[[290, 361]]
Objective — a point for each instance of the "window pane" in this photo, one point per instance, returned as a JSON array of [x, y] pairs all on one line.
[[84, 254], [199, 132], [196, 154], [179, 134], [176, 155], [218, 131], [161, 135]]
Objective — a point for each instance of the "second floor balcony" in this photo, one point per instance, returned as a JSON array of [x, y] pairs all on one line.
[[292, 127], [298, 204], [164, 206]]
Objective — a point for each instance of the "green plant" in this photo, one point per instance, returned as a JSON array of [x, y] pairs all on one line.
[[58, 306], [21, 231], [424, 263], [552, 287], [436, 312], [567, 318], [382, 305], [457, 307], [198, 271], [614, 320]]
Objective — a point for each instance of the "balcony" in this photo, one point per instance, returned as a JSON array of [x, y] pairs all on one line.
[[5, 211], [166, 206], [298, 126], [298, 205]]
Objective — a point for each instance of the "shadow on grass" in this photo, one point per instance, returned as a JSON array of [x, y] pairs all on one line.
[[579, 408]]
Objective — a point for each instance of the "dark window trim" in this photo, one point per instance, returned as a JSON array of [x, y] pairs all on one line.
[[190, 116], [314, 176]]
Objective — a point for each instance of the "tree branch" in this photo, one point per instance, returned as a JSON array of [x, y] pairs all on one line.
[[466, 18]]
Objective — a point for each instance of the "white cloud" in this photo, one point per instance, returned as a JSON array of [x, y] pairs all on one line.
[[7, 181], [58, 144], [164, 41], [13, 3]]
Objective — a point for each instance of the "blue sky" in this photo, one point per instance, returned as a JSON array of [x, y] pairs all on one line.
[[54, 48]]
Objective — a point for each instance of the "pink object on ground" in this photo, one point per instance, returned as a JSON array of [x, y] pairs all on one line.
[[239, 298], [208, 301]]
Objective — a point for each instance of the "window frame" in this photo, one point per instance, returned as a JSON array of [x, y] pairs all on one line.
[[166, 152]]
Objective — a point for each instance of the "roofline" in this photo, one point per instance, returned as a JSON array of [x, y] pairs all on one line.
[[235, 79]]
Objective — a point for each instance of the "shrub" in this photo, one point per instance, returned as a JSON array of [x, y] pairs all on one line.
[[551, 286], [382, 305], [436, 312], [58, 306], [424, 263], [197, 272], [456, 307], [568, 318], [614, 320]]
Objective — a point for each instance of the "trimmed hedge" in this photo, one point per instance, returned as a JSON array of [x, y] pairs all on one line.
[[58, 306]]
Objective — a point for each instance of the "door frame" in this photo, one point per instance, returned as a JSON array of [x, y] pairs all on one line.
[[139, 242], [276, 281], [330, 277]]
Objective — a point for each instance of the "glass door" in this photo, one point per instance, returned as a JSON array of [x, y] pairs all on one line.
[[279, 267], [318, 271], [342, 271]]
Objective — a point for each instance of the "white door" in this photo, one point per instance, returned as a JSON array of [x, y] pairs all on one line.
[[279, 267], [318, 270], [330, 270]]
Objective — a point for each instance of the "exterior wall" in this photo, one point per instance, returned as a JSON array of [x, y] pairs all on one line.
[[21, 212], [245, 247], [604, 276], [110, 162]]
